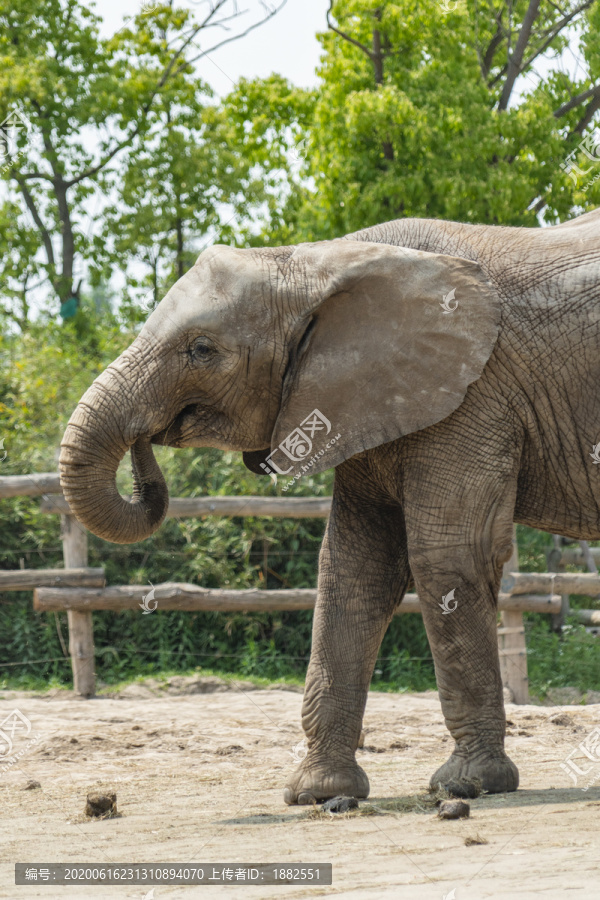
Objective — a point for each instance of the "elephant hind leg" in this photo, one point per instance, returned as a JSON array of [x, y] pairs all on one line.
[[456, 555], [465, 648]]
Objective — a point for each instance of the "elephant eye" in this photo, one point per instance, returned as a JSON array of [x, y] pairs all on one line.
[[202, 350]]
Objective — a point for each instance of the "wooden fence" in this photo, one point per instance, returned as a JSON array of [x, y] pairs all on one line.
[[81, 590]]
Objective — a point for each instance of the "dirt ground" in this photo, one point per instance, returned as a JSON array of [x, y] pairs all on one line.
[[199, 767]]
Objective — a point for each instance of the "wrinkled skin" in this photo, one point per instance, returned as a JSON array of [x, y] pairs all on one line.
[[506, 414]]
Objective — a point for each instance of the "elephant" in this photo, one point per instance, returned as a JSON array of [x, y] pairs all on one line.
[[449, 373]]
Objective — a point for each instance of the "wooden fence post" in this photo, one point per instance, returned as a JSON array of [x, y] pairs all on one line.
[[555, 564], [511, 641], [81, 626]]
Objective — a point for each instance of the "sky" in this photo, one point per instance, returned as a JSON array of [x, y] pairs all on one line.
[[286, 44]]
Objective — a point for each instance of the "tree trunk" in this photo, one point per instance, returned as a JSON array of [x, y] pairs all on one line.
[[378, 57], [180, 261]]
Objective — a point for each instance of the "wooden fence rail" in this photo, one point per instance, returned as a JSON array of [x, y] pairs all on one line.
[[575, 556], [29, 485], [182, 507], [28, 579], [47, 484], [191, 597], [553, 582]]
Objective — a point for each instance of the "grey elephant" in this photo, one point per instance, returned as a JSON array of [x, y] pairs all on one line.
[[449, 372]]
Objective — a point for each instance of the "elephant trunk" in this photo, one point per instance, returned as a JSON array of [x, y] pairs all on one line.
[[100, 432]]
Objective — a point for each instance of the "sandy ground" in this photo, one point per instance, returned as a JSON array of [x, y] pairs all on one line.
[[199, 769]]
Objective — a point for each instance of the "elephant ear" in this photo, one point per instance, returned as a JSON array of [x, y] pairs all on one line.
[[393, 339]]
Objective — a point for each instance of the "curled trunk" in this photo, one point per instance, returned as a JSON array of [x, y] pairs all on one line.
[[100, 432]]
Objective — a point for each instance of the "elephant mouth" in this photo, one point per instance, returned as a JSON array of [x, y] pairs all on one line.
[[196, 425], [179, 432]]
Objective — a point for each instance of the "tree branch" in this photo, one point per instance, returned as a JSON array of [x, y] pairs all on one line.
[[28, 176], [366, 50], [553, 32], [168, 73], [488, 57], [590, 111], [549, 35], [577, 101], [105, 160], [45, 234], [515, 59], [568, 16], [145, 108], [234, 37]]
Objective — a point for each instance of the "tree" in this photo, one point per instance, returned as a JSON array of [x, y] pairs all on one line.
[[205, 160], [440, 110], [64, 89], [268, 121]]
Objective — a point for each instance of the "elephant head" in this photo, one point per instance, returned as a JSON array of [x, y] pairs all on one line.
[[267, 352]]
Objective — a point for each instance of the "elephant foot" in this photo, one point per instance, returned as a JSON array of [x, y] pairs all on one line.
[[497, 773], [313, 783]]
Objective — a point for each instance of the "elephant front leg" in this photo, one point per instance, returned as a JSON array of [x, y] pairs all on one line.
[[363, 574]]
